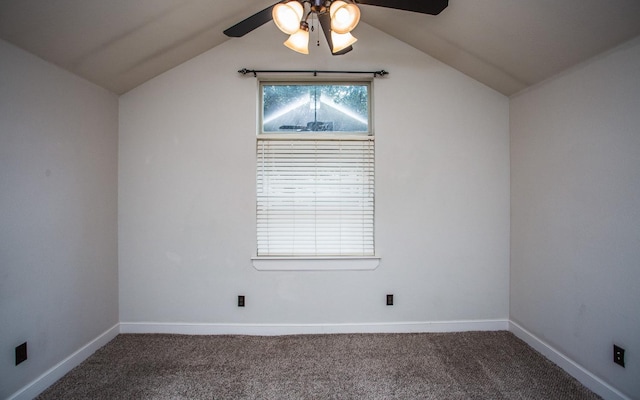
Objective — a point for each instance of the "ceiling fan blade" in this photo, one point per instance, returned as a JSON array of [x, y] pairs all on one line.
[[325, 22], [343, 51], [247, 25], [433, 7]]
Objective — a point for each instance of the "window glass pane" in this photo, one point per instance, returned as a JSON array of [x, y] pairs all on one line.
[[315, 108]]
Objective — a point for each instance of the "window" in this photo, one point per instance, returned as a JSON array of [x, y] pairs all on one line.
[[315, 171], [336, 108]]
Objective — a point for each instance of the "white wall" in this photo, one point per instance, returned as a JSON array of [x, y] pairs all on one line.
[[187, 194], [58, 213], [575, 180]]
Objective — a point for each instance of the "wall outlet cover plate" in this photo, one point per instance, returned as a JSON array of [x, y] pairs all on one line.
[[21, 353], [618, 355]]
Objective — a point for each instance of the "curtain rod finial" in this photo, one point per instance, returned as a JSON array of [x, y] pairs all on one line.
[[245, 71]]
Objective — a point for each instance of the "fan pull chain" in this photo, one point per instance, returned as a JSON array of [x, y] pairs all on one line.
[[313, 20]]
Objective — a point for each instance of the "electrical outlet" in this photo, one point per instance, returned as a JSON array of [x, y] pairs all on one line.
[[618, 355], [240, 301], [21, 353], [389, 299]]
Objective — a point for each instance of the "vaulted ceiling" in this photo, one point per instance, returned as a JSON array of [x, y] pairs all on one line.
[[506, 44]]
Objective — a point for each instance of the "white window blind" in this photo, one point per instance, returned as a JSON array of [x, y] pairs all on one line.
[[315, 197]]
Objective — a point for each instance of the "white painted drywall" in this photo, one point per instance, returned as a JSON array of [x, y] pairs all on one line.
[[187, 194], [575, 243], [58, 213]]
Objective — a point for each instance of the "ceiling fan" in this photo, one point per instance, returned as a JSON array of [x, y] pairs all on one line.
[[337, 18]]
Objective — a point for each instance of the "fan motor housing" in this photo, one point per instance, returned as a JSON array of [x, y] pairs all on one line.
[[319, 6]]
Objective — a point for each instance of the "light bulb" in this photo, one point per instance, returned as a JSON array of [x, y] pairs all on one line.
[[287, 16], [299, 41], [341, 41], [344, 16]]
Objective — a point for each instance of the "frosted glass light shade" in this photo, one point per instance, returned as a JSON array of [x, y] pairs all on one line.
[[342, 41], [344, 16], [287, 16], [299, 41]]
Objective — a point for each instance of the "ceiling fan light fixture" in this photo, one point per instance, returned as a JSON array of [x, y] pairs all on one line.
[[344, 16], [335, 17], [341, 41], [299, 41], [287, 16]]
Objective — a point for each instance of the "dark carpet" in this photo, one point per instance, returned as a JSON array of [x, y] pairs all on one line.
[[468, 365]]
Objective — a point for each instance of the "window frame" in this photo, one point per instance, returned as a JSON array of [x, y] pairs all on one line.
[[315, 263]]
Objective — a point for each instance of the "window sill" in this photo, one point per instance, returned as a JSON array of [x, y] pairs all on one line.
[[315, 263]]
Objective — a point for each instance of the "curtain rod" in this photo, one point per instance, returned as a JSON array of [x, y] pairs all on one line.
[[255, 72]]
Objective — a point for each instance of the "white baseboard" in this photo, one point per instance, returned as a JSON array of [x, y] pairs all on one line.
[[299, 329], [47, 379], [585, 377]]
